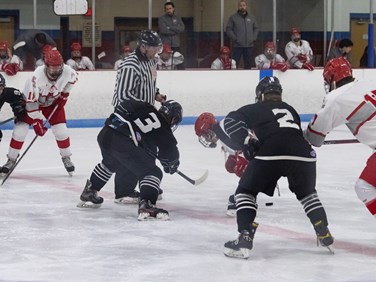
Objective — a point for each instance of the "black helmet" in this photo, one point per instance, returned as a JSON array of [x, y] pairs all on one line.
[[173, 112], [150, 38], [268, 85], [2, 80]]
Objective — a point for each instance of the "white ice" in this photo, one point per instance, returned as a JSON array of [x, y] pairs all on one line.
[[44, 237]]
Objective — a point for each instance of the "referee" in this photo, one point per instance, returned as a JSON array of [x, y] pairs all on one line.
[[137, 73]]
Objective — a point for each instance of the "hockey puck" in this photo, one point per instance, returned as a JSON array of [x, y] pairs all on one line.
[[269, 204]]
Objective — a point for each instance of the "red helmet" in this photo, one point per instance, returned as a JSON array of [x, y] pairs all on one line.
[[54, 64], [47, 48], [225, 50], [4, 45], [166, 49], [203, 129], [75, 46], [269, 45], [337, 69], [126, 49], [295, 30]]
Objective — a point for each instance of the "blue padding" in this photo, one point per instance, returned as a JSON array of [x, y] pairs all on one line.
[[264, 73], [88, 123]]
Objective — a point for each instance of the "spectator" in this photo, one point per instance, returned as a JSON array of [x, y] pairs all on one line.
[[30, 44], [125, 51], [224, 61], [271, 60], [242, 29], [298, 52], [343, 49], [170, 26], [47, 93], [46, 48], [168, 59], [364, 58], [9, 63], [77, 61]]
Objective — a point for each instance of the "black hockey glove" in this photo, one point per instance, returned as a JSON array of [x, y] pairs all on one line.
[[250, 147], [18, 109], [170, 166]]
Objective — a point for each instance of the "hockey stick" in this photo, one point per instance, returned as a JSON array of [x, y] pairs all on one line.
[[27, 149], [197, 181], [343, 141], [7, 120]]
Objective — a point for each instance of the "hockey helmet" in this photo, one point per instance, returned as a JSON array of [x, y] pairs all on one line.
[[75, 46], [3, 45], [150, 38], [203, 129], [335, 70], [225, 50], [54, 64], [295, 30], [173, 112], [166, 48], [269, 84], [2, 81], [269, 50], [126, 49]]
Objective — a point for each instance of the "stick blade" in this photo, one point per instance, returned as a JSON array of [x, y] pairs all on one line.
[[202, 178]]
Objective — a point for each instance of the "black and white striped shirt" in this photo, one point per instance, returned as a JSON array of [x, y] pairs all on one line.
[[136, 79]]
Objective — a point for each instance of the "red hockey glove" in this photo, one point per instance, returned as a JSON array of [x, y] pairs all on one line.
[[279, 66], [240, 166], [39, 128], [62, 100], [10, 68], [230, 164], [302, 58], [308, 67], [226, 62]]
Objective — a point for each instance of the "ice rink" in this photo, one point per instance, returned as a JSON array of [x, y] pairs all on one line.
[[44, 237]]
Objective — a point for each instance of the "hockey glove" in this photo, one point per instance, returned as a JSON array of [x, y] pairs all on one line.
[[308, 66], [170, 166], [251, 146], [240, 166], [302, 58], [39, 127], [230, 163], [10, 68], [279, 66], [62, 100], [18, 109]]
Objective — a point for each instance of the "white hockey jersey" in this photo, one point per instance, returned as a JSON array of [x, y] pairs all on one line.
[[262, 62], [353, 104], [84, 64], [218, 65], [176, 59], [41, 92], [292, 52]]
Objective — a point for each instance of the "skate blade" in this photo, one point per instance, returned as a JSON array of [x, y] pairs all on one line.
[[330, 250], [88, 205], [145, 216], [231, 213], [242, 253], [126, 201]]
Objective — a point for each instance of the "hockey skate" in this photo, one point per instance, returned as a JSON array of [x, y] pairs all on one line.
[[324, 237], [242, 246], [148, 211], [89, 197], [8, 165], [160, 192], [231, 206], [69, 166], [133, 198]]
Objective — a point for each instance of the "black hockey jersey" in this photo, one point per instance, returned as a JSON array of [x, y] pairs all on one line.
[[276, 125], [147, 126], [15, 99]]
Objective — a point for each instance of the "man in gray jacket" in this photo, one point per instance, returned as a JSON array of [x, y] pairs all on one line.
[[242, 29], [170, 26]]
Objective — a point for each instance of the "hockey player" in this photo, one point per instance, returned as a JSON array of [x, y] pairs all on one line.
[[271, 60], [298, 52], [9, 63], [15, 99], [209, 131], [127, 142], [126, 50], [271, 138], [169, 59], [224, 60], [353, 103], [46, 94], [77, 61]]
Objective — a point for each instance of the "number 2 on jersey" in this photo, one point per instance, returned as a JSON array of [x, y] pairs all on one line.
[[287, 120]]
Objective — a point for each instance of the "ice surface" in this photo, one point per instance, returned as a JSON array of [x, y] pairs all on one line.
[[44, 237]]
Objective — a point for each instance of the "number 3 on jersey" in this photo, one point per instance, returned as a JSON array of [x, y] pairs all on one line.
[[287, 120], [149, 123]]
